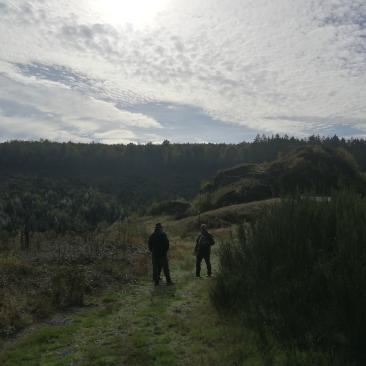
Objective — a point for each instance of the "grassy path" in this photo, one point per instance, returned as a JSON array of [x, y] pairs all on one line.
[[140, 325]]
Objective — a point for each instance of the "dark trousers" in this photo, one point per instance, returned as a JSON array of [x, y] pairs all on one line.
[[206, 257], [160, 263]]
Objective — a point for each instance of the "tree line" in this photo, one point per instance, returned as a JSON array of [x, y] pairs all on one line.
[[138, 174]]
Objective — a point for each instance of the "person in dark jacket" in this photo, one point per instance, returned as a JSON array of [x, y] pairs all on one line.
[[204, 242], [158, 247]]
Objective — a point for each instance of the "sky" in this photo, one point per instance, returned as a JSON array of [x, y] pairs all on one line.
[[118, 71]]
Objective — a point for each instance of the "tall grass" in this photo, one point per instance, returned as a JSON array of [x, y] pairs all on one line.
[[60, 269], [299, 274]]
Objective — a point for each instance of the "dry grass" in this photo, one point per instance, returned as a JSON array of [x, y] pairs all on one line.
[[10, 316], [14, 266], [59, 270], [222, 217]]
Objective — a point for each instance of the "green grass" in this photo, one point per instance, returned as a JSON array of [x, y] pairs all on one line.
[[142, 326]]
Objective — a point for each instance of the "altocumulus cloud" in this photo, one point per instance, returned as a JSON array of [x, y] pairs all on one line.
[[70, 71]]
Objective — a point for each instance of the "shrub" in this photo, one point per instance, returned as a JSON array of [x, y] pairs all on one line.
[[14, 266], [68, 287], [176, 208], [300, 273], [41, 306], [10, 317]]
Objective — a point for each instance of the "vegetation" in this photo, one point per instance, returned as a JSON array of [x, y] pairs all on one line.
[[176, 208], [138, 175], [139, 325], [315, 170], [59, 270], [224, 217], [74, 220], [38, 205], [297, 277]]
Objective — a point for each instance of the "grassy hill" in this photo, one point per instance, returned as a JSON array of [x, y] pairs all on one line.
[[315, 170], [223, 217]]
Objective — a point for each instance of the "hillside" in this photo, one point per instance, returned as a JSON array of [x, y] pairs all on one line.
[[315, 170], [138, 175], [224, 217]]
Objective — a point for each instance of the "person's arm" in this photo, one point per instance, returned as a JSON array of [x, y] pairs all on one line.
[[197, 242], [166, 242], [212, 240]]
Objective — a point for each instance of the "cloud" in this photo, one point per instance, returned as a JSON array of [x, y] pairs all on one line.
[[50, 97], [44, 108], [115, 137], [183, 123], [342, 126], [33, 129], [240, 62]]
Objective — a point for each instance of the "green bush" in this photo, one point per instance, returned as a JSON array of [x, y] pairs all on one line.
[[299, 274]]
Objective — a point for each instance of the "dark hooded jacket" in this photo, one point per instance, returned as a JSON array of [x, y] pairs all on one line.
[[204, 243], [158, 244]]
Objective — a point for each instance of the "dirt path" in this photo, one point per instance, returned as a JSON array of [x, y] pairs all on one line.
[[141, 325]]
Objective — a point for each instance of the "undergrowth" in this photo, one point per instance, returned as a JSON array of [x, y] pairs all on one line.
[[297, 277]]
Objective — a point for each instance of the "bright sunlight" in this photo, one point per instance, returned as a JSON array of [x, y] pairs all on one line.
[[139, 13]]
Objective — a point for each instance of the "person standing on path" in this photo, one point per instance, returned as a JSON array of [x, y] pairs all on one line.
[[158, 247], [204, 242]]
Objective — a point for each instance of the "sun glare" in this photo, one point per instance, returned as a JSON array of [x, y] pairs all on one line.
[[140, 13]]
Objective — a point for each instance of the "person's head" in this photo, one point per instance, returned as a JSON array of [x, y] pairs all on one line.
[[158, 227], [203, 228]]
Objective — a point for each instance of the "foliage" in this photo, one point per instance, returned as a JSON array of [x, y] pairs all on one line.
[[223, 217], [12, 266], [176, 208], [10, 317], [315, 170], [68, 287], [299, 274], [40, 205], [59, 269], [137, 175]]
